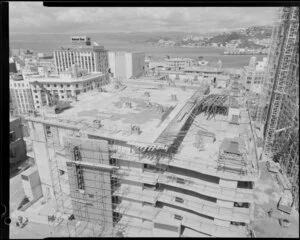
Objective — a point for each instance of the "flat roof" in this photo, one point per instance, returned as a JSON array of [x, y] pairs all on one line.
[[120, 110], [58, 79], [203, 69], [220, 144], [81, 48]]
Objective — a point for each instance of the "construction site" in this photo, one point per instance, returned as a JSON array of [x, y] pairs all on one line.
[[166, 158], [146, 158]]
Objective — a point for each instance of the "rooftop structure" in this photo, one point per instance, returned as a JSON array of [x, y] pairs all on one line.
[[149, 158]]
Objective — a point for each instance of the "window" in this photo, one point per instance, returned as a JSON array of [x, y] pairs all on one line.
[[48, 85], [36, 96], [25, 177], [112, 161], [180, 180], [89, 204], [35, 91], [61, 86], [61, 172], [91, 195], [61, 91], [247, 185], [178, 199], [62, 97], [37, 101], [76, 85], [241, 204], [178, 217], [68, 85], [54, 85], [48, 130], [12, 136]]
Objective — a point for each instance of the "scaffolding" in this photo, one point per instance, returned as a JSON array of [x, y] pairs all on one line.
[[289, 31], [281, 132], [63, 216]]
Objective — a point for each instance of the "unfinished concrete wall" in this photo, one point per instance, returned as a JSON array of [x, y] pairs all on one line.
[[130, 164], [193, 174], [95, 204], [228, 183], [40, 149], [92, 151]]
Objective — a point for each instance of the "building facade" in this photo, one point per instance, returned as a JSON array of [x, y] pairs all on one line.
[[65, 86], [253, 75], [178, 63], [88, 57], [126, 64], [20, 96], [17, 146], [137, 180]]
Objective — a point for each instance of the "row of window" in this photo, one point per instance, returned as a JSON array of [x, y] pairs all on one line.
[[19, 85]]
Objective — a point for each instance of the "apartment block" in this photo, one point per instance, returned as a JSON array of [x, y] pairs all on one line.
[[88, 57], [150, 159], [125, 65]]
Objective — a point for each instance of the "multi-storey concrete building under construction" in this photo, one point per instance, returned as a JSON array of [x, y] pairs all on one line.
[[150, 159]]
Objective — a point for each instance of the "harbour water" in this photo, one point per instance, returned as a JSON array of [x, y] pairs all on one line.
[[48, 43]]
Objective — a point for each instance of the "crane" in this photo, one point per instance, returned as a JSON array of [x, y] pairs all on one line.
[[51, 99]]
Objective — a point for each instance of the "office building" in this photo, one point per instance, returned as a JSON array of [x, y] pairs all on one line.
[[88, 57], [125, 65]]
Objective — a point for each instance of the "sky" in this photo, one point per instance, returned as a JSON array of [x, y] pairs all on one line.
[[33, 17]]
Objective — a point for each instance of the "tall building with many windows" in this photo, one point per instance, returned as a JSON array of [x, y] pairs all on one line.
[[89, 57], [21, 100]]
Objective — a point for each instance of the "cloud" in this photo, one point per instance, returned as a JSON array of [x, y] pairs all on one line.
[[32, 17]]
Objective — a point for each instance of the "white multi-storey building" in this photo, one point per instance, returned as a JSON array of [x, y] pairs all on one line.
[[254, 74], [178, 63], [90, 58], [20, 95], [65, 86], [126, 64]]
